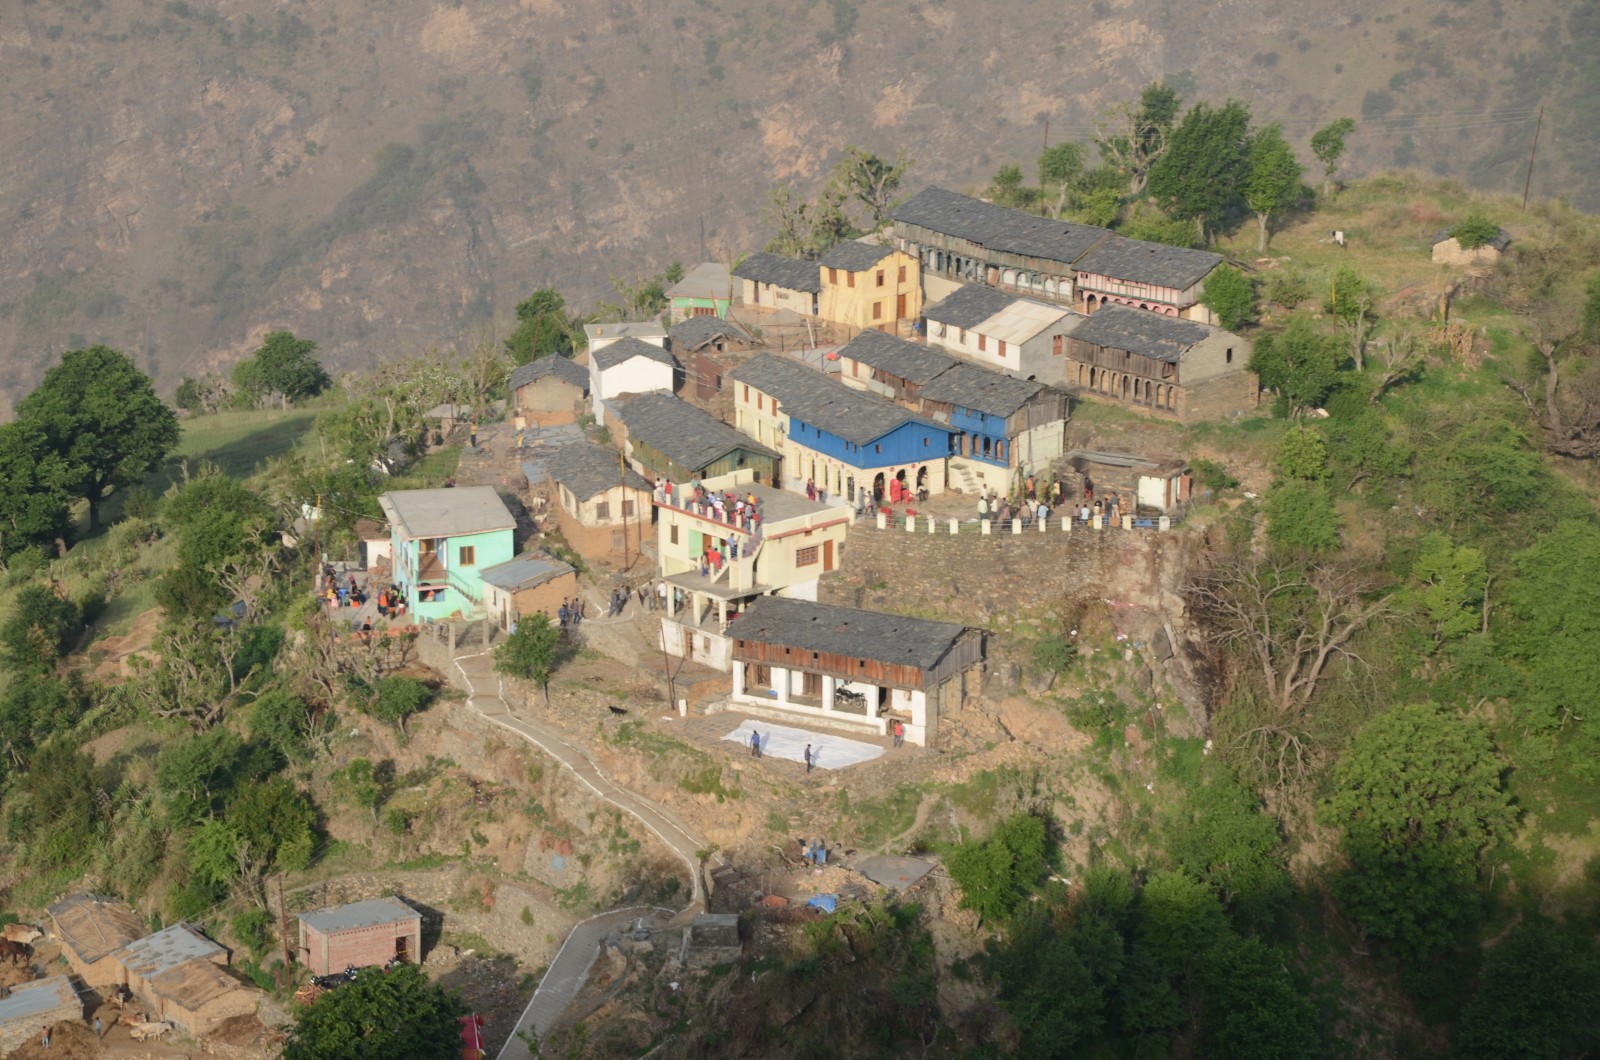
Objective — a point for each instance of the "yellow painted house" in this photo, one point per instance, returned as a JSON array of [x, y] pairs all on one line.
[[869, 286]]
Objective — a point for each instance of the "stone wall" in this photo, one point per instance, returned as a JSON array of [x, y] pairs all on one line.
[[1220, 398]]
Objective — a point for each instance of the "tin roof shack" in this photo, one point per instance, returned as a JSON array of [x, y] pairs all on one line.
[[670, 438], [712, 939], [531, 583], [792, 658], [442, 540], [1176, 369], [1006, 425], [706, 291], [360, 934], [91, 929], [602, 507], [890, 367], [181, 974], [776, 282], [786, 550], [41, 1003], [548, 392], [996, 330], [1160, 484]]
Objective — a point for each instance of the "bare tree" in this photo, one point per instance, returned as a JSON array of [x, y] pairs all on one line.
[[1540, 284]]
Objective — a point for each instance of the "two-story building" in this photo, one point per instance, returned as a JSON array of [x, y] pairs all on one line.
[[716, 560], [1151, 276], [1007, 427], [869, 286], [839, 438], [1178, 369], [847, 668], [705, 291], [772, 281], [889, 366], [549, 392], [601, 506], [628, 358], [708, 347], [442, 539], [989, 327], [668, 438]]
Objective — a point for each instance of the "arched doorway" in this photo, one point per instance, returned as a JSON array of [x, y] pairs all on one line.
[[850, 488], [922, 481], [877, 489]]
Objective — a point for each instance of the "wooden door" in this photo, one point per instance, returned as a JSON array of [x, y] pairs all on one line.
[[827, 555], [900, 307]]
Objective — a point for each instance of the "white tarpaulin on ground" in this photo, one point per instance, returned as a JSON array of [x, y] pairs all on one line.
[[781, 741]]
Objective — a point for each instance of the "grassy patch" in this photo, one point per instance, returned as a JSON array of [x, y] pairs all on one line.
[[882, 819]]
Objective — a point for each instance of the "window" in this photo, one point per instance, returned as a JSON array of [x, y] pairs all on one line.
[[758, 403], [602, 510], [880, 277], [468, 555], [849, 279], [983, 343], [902, 277], [877, 310], [672, 533], [877, 448], [1002, 347], [747, 393], [627, 509], [924, 439], [1058, 345], [833, 276], [961, 335], [805, 557], [1230, 354]]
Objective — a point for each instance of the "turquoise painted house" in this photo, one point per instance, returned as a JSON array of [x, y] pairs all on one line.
[[443, 540], [707, 291]]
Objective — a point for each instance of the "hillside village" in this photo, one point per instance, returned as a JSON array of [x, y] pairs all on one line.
[[813, 623]]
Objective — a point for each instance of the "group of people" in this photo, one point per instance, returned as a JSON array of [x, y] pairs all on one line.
[[1039, 500], [725, 506], [815, 852], [570, 613], [337, 594]]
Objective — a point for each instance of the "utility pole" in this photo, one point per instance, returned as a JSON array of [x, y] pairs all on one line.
[[622, 480], [1527, 182], [283, 931]]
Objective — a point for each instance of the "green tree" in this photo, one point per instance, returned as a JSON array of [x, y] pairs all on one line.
[[1353, 302], [1252, 1009], [1219, 834], [871, 181], [288, 367], [1135, 137], [194, 774], [1538, 996], [282, 720], [35, 706], [1201, 175], [1589, 324], [1327, 143], [1476, 231], [1556, 632], [65, 807], [1000, 871], [544, 327], [532, 652], [1101, 207], [1303, 454], [103, 419], [1447, 586], [1231, 295], [1300, 363], [807, 229], [35, 493], [39, 628], [397, 697], [1272, 184], [1007, 187], [394, 1015], [1152, 227], [1418, 796], [1060, 169], [1301, 516], [1179, 919]]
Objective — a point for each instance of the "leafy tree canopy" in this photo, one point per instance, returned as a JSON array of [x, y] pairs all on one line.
[[1299, 362], [1476, 231], [397, 1015], [1272, 183], [1201, 175], [532, 652], [35, 489], [1328, 144], [544, 327], [1301, 516], [40, 627], [1231, 295], [997, 873], [1303, 454], [1538, 996]]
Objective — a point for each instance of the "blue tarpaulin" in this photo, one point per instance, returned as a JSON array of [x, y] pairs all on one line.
[[825, 902]]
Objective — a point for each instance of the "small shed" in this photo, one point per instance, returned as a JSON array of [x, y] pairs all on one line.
[[360, 934], [713, 938], [30, 1006], [1159, 483], [1447, 250], [181, 973], [92, 929], [530, 583], [377, 545], [549, 392]]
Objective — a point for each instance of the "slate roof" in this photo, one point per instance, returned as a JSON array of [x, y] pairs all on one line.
[[684, 434], [626, 348], [94, 926], [1139, 331], [1141, 261], [998, 227], [847, 631], [969, 306], [370, 913], [167, 949], [563, 368], [807, 395], [446, 512], [854, 256], [789, 273], [588, 469], [981, 390], [907, 360], [525, 571], [695, 332]]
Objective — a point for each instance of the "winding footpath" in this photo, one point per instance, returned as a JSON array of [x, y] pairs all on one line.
[[561, 983]]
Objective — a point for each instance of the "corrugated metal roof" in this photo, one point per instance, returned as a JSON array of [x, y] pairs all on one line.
[[446, 512], [30, 999], [1022, 320], [848, 631], [971, 387], [788, 273], [167, 949], [369, 913], [897, 357], [563, 368], [1140, 331], [627, 348], [855, 415], [1141, 261], [524, 572], [688, 436], [855, 256]]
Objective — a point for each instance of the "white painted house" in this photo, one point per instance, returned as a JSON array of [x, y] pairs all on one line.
[[629, 358]]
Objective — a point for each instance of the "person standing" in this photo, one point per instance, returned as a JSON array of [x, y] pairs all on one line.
[[44, 1037], [899, 733], [807, 755], [755, 744], [97, 1033]]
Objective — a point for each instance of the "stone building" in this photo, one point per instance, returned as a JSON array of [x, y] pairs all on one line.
[[92, 929], [889, 366], [360, 934], [1006, 427], [669, 438], [1177, 369], [549, 392], [991, 328], [772, 281], [602, 506], [182, 975]]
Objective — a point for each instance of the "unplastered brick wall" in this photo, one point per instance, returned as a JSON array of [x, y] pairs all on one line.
[[367, 946]]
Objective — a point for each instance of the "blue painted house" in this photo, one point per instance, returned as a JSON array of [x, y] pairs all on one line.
[[839, 438], [443, 539], [1005, 427]]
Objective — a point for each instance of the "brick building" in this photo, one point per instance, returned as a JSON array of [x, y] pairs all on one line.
[[360, 934], [92, 929], [181, 974]]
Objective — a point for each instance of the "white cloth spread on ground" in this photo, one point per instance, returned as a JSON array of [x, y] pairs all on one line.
[[781, 741]]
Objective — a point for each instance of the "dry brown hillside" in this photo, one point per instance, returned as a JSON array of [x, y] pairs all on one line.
[[177, 176]]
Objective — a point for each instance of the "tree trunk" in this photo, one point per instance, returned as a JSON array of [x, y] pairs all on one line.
[[1261, 233], [1552, 382]]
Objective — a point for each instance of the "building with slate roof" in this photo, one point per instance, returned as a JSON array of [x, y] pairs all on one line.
[[441, 540], [842, 439], [668, 438], [1054, 261], [1006, 425], [534, 582], [853, 669], [92, 928], [892, 367], [360, 934], [991, 328], [773, 281], [629, 365], [602, 507], [181, 975], [708, 348], [548, 392], [40, 1003], [717, 559], [1177, 369], [706, 290], [870, 287]]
